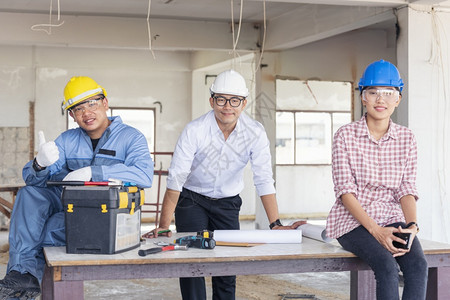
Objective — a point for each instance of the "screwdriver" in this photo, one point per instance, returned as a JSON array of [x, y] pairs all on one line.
[[160, 249]]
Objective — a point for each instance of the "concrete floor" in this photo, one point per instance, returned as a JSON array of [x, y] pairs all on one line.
[[317, 284], [322, 283]]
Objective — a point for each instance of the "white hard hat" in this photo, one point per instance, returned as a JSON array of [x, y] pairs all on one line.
[[229, 82]]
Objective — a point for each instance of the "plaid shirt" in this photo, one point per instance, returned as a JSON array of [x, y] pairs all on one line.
[[378, 173]]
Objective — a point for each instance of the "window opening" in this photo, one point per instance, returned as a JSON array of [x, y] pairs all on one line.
[[309, 112]]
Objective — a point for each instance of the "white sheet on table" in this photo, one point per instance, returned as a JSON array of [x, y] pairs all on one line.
[[259, 236]]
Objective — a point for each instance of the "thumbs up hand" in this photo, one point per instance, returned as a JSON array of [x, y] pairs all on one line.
[[48, 152]]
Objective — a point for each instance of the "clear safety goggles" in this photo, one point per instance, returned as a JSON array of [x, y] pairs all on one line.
[[388, 95], [88, 105], [234, 101]]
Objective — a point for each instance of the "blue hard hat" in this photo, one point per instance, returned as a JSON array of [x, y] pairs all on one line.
[[381, 73]]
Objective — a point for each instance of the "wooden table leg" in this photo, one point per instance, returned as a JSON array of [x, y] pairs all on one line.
[[362, 285], [4, 206], [54, 288], [438, 283]]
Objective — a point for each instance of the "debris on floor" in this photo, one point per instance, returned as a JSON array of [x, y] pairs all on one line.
[[298, 296]]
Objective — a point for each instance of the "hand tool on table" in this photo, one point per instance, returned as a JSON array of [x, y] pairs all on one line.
[[160, 232], [206, 233], [202, 240], [150, 234], [160, 249]]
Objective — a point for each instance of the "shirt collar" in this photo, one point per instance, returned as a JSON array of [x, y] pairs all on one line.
[[363, 130], [393, 131], [239, 125], [215, 127]]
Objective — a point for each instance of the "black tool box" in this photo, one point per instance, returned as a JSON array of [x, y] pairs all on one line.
[[102, 219]]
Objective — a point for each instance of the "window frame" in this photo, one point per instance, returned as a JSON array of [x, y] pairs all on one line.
[[330, 112]]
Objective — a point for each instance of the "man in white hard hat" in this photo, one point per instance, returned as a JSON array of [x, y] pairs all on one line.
[[206, 175], [100, 149]]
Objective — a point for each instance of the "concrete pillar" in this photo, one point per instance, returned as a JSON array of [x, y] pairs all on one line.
[[265, 109], [423, 60]]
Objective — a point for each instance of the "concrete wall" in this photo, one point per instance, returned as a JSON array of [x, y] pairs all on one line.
[[16, 85], [14, 145]]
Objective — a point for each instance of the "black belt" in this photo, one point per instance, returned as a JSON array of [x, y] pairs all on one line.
[[208, 198]]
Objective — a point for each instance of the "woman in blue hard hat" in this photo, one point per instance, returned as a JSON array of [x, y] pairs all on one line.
[[374, 175]]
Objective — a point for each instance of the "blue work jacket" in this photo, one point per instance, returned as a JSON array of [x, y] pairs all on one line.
[[121, 153]]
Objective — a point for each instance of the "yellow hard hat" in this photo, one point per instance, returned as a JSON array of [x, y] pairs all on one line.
[[80, 88]]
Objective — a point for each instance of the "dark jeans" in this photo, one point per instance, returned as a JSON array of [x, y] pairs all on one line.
[[195, 212], [386, 267]]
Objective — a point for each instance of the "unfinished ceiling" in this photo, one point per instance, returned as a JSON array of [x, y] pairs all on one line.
[[191, 24]]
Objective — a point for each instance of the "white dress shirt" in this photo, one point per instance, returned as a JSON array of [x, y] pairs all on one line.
[[205, 163]]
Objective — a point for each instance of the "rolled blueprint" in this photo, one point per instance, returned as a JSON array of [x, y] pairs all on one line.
[[259, 236], [316, 232]]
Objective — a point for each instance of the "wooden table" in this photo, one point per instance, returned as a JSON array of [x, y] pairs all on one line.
[[65, 273], [5, 205]]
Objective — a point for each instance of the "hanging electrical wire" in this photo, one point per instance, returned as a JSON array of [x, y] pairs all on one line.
[[264, 37], [235, 39], [258, 65], [37, 27], [148, 29]]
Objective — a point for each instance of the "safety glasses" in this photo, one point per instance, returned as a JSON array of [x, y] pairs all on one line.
[[89, 105], [388, 95]]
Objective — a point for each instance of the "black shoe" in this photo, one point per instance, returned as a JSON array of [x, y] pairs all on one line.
[[22, 286]]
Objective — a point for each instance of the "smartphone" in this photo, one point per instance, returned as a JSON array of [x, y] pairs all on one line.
[[404, 236]]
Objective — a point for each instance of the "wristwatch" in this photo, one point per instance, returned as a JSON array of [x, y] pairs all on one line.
[[411, 224], [37, 167], [277, 222]]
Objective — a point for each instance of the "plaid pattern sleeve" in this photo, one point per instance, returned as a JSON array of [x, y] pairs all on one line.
[[344, 181], [408, 184], [378, 173]]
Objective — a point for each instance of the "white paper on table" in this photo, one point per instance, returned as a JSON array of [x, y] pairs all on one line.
[[259, 236], [316, 232]]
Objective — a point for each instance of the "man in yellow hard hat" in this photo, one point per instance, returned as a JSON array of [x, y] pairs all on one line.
[[100, 149]]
